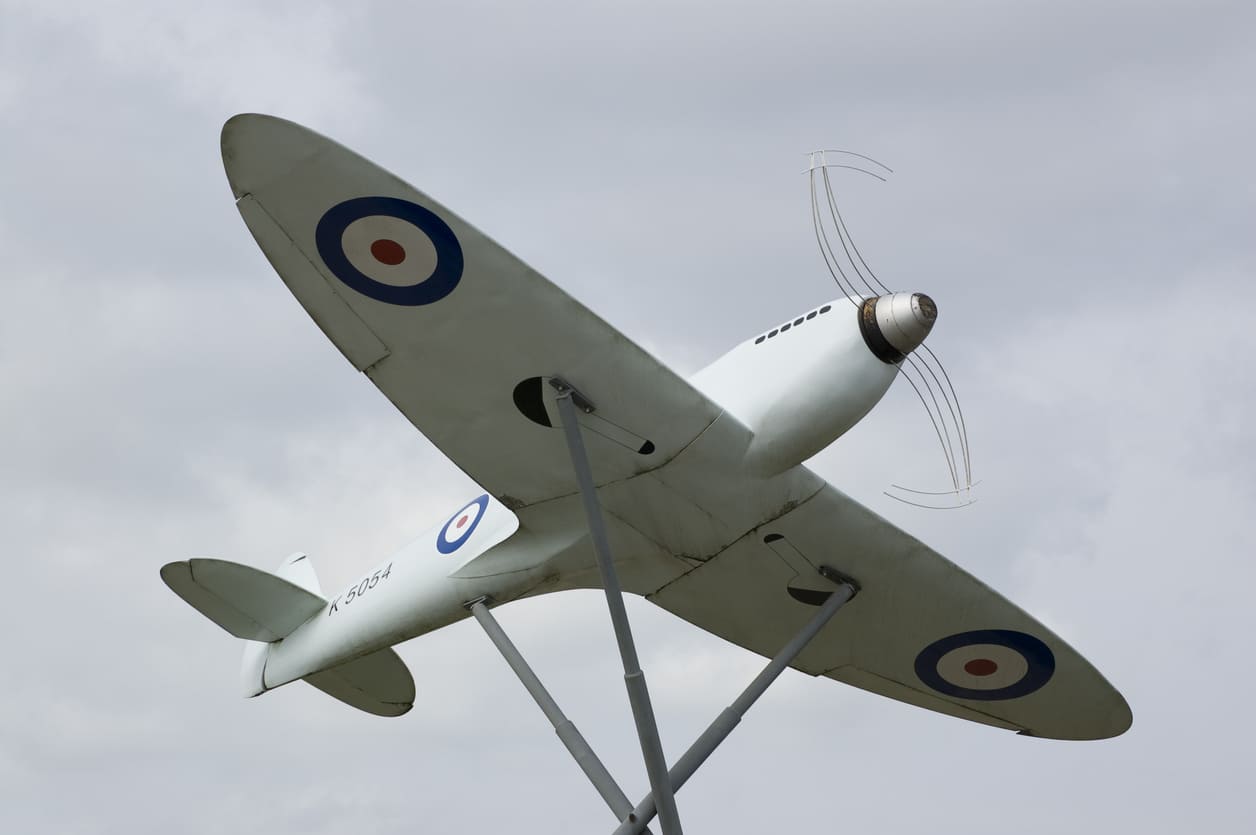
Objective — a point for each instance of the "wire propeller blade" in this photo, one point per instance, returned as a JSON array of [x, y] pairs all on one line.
[[922, 368]]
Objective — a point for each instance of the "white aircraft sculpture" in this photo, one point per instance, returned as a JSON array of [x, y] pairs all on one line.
[[690, 493]]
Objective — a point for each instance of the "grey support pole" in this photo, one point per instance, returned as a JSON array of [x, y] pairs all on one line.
[[567, 732], [731, 715], [634, 679]]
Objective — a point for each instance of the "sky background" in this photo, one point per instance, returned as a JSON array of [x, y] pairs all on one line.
[[1074, 186]]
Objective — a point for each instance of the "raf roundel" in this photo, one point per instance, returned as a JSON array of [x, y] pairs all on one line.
[[459, 527], [390, 249], [986, 665]]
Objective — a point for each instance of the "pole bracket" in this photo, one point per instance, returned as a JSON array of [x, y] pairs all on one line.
[[664, 782], [566, 389]]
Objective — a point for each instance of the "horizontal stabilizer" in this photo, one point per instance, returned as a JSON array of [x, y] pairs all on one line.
[[378, 683], [245, 601]]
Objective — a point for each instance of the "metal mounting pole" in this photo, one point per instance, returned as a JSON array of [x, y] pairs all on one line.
[[566, 730], [634, 679], [729, 718]]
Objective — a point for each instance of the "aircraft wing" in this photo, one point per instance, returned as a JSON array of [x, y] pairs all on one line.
[[921, 630], [458, 333]]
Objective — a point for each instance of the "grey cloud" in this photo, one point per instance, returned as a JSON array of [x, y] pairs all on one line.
[[1072, 186]]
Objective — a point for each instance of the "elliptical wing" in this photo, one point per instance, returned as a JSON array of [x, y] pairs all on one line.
[[921, 630], [458, 333]]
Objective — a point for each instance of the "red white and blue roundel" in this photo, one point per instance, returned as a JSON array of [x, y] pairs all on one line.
[[390, 249], [986, 665], [459, 527]]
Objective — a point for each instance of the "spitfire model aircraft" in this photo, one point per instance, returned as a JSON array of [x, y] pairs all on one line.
[[601, 468]]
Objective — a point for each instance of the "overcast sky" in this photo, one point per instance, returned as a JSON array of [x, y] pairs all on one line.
[[1074, 186]]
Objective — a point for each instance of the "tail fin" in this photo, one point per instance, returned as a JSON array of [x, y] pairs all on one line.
[[297, 568], [249, 604], [263, 608]]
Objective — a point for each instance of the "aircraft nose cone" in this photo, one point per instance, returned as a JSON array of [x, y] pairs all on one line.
[[924, 309], [895, 325], [906, 319]]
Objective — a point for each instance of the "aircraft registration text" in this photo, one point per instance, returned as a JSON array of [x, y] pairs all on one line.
[[359, 590]]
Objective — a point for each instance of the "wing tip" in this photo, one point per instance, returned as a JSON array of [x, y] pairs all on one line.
[[1109, 724], [1120, 719], [257, 147], [173, 572]]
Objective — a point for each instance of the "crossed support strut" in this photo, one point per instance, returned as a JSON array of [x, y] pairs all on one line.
[[663, 782]]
